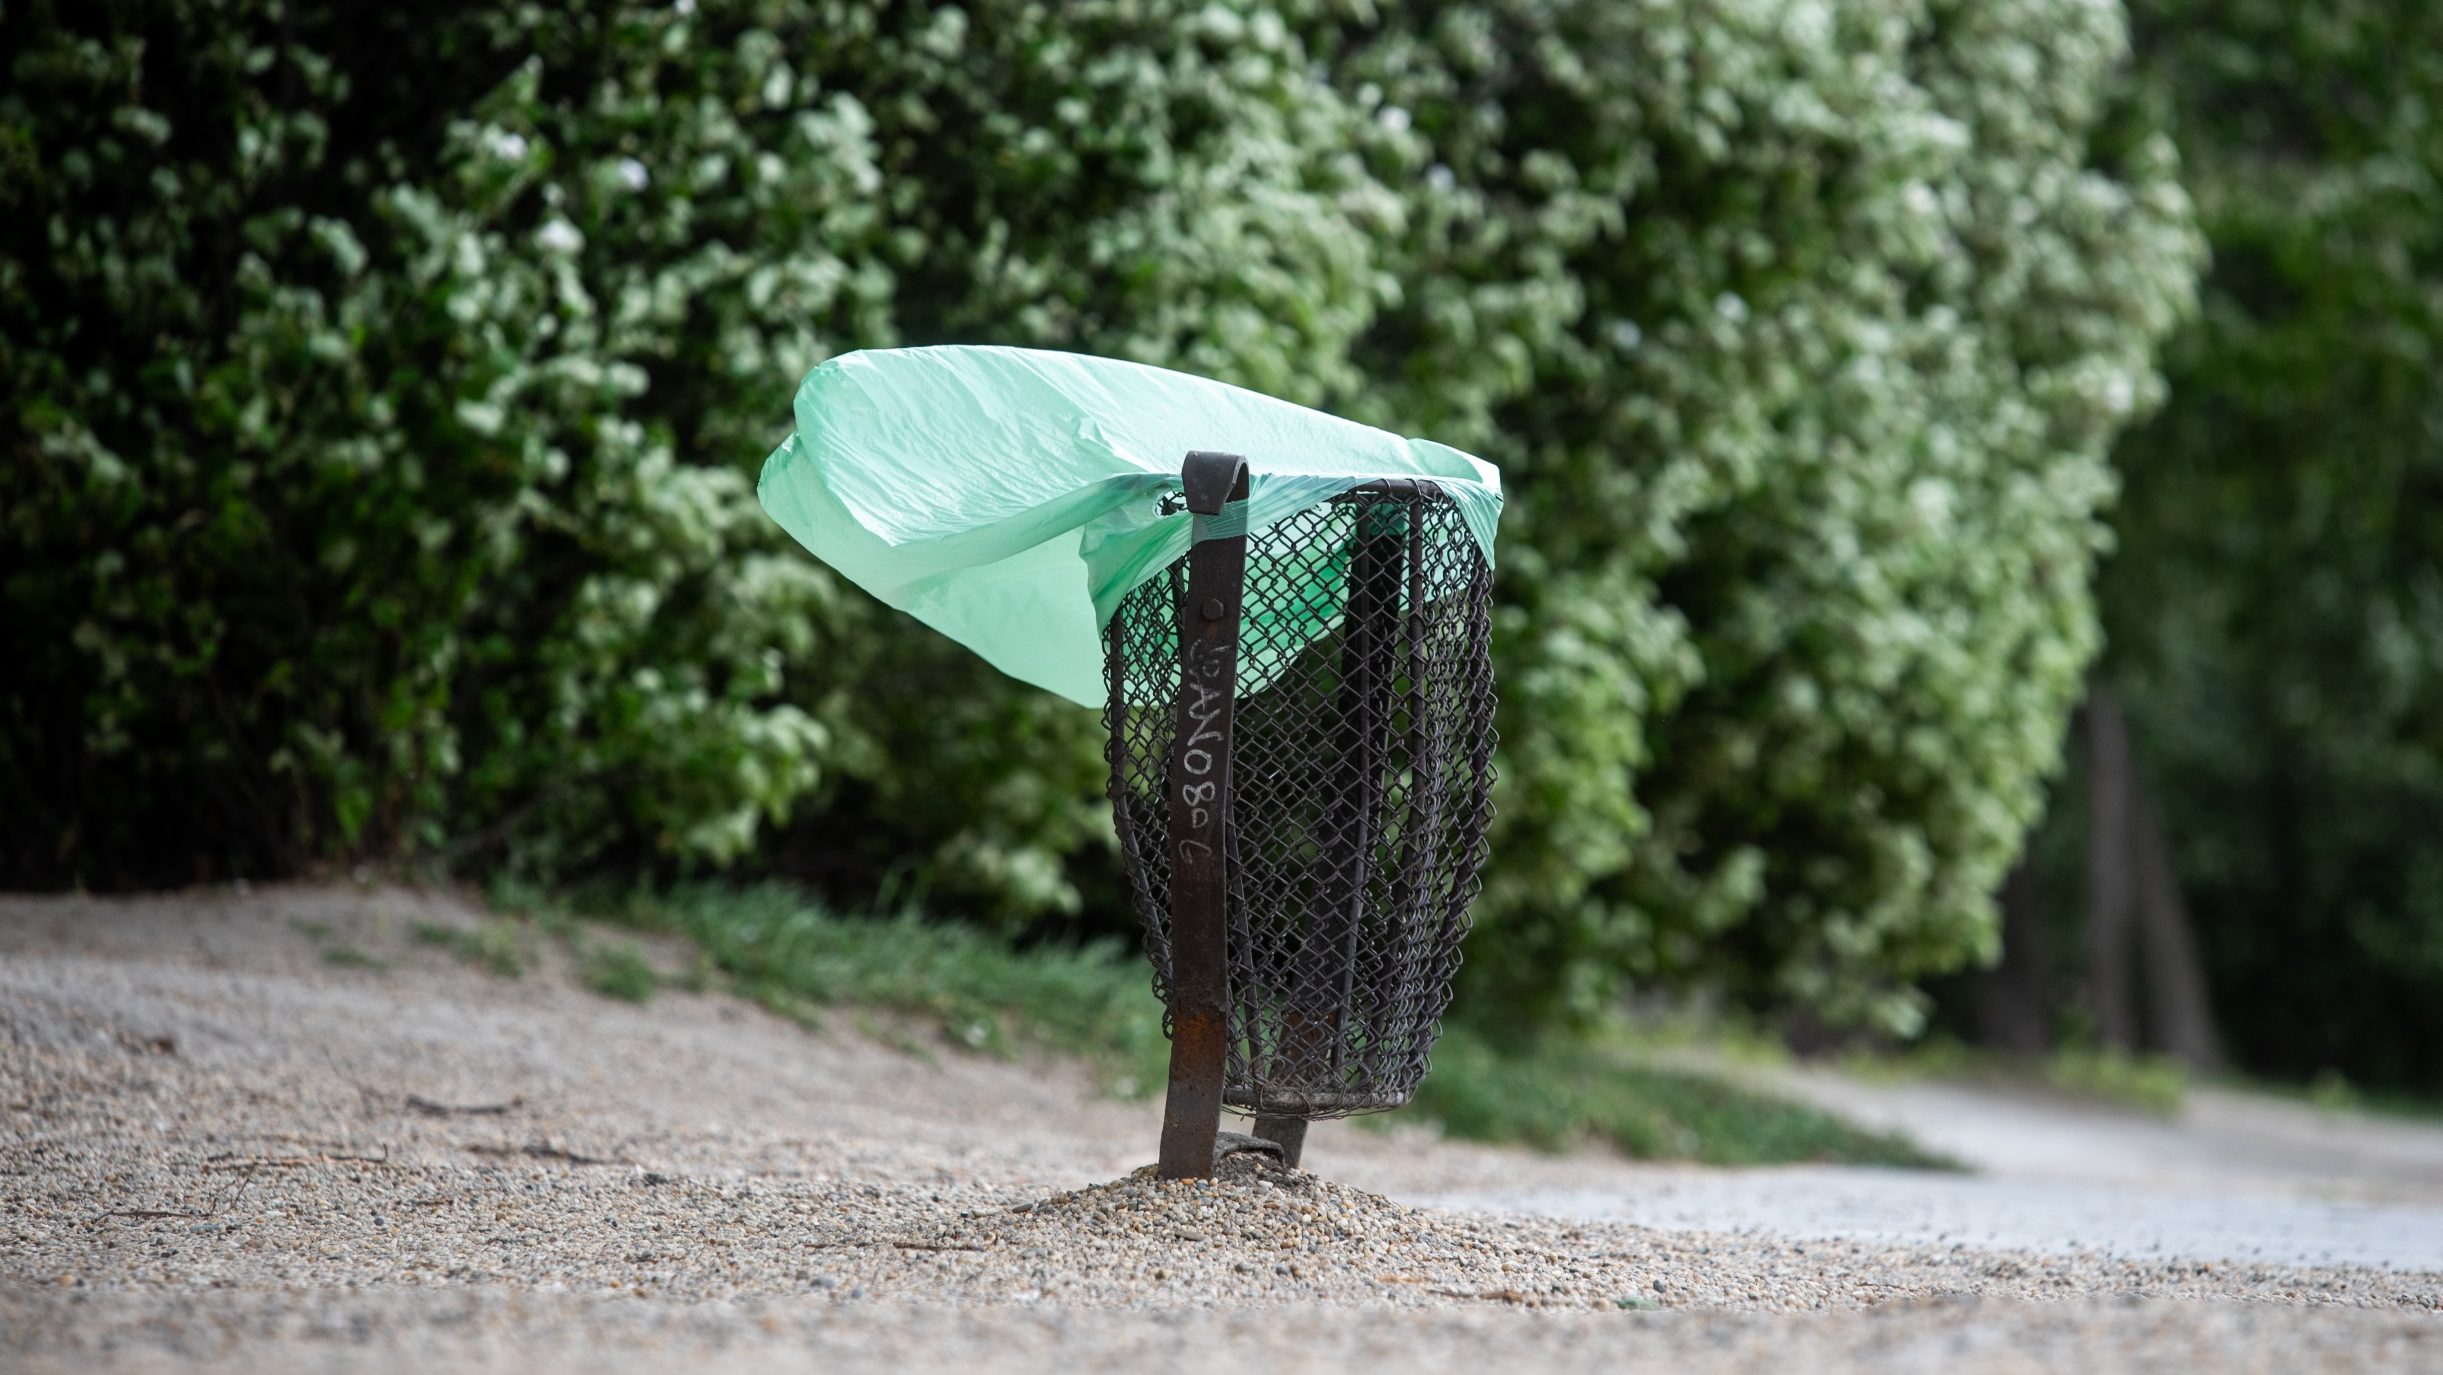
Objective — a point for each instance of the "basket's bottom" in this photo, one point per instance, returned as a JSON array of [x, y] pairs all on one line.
[[1296, 1102]]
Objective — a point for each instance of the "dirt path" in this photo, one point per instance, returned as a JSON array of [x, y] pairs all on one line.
[[2229, 1177], [221, 1150], [2218, 1140]]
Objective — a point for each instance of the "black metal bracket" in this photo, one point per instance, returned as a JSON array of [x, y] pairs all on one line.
[[1211, 480], [1288, 1133], [1200, 823]]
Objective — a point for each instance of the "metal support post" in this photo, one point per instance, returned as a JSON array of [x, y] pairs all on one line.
[[1288, 1133], [1199, 785]]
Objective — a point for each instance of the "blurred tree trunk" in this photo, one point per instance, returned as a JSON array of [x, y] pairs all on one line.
[[2138, 935], [2015, 1012], [2179, 1019], [2111, 992]]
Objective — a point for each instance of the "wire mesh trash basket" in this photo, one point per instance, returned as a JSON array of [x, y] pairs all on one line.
[[1300, 704], [1301, 771]]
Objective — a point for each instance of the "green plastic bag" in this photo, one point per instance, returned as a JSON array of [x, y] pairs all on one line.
[[1010, 498]]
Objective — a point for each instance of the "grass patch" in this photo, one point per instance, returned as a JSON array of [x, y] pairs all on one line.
[[2148, 1083], [349, 957], [618, 971], [1560, 1092], [2331, 1091], [774, 946], [497, 947], [336, 953]]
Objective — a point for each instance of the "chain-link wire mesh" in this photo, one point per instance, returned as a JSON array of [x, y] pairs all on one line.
[[1361, 777]]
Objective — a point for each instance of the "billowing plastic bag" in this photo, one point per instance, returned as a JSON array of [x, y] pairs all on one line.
[[1010, 498]]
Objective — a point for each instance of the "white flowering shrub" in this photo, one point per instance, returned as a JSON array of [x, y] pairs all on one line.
[[382, 481], [390, 390], [1800, 331]]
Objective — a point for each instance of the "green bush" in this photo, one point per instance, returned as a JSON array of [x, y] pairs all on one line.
[[396, 495], [389, 399], [338, 523], [1801, 332], [2275, 617]]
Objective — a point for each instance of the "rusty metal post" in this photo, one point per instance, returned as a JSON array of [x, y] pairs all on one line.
[[1288, 1133], [1200, 821]]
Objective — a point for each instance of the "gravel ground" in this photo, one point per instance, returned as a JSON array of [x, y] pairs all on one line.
[[221, 1149]]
